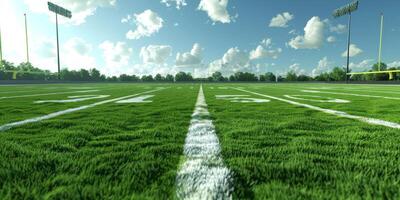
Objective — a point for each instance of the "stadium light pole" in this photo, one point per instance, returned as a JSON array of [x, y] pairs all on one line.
[[380, 44], [347, 10], [63, 12], [26, 39]]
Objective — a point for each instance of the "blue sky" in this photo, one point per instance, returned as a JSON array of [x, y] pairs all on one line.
[[201, 36]]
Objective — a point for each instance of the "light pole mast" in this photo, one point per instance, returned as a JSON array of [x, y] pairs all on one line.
[[26, 39], [63, 12], [58, 49], [348, 49], [347, 10]]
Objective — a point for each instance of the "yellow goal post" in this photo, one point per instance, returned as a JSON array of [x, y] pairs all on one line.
[[390, 72]]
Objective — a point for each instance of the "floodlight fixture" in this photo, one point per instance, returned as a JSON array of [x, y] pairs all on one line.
[[58, 10]]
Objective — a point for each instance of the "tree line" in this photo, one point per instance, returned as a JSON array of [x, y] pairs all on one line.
[[25, 71]]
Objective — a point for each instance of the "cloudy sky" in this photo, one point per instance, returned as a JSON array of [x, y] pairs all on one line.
[[199, 36]]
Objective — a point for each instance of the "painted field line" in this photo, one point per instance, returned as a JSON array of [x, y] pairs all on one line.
[[332, 112], [369, 90], [349, 94], [63, 112], [46, 94], [203, 174]]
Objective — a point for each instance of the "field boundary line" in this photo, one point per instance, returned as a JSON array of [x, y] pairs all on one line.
[[203, 174], [330, 111], [70, 110], [47, 94], [349, 94]]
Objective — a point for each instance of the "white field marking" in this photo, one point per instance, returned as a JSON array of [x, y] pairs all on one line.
[[212, 88], [349, 94], [80, 88], [63, 112], [203, 175], [322, 99], [369, 90], [332, 112], [141, 99], [74, 99], [46, 94], [241, 99]]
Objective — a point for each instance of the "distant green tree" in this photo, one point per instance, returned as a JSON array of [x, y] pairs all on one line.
[[159, 78], [217, 77], [182, 76], [84, 75], [323, 77], [148, 78], [232, 78], [380, 77], [338, 74], [291, 76], [270, 77], [169, 78], [303, 77], [94, 74], [245, 76]]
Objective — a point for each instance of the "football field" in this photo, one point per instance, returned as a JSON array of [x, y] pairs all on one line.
[[185, 141]]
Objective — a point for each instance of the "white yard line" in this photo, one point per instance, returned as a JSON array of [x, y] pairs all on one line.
[[332, 112], [46, 94], [203, 174], [350, 94], [63, 112]]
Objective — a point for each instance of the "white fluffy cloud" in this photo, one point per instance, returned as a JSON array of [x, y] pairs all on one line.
[[216, 10], [281, 20], [193, 57], [313, 35], [296, 68], [232, 61], [235, 57], [394, 64], [340, 28], [266, 42], [116, 56], [323, 66], [261, 52], [354, 51], [331, 39], [80, 9], [147, 23], [362, 66], [178, 3], [155, 54], [75, 54]]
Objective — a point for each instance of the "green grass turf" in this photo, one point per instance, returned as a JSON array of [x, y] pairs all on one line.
[[132, 151], [281, 151], [113, 151]]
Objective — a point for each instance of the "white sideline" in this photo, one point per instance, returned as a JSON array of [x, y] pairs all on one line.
[[332, 112], [70, 110], [349, 94], [203, 175], [46, 94]]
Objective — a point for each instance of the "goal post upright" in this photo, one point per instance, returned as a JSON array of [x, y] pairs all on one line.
[[380, 44]]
